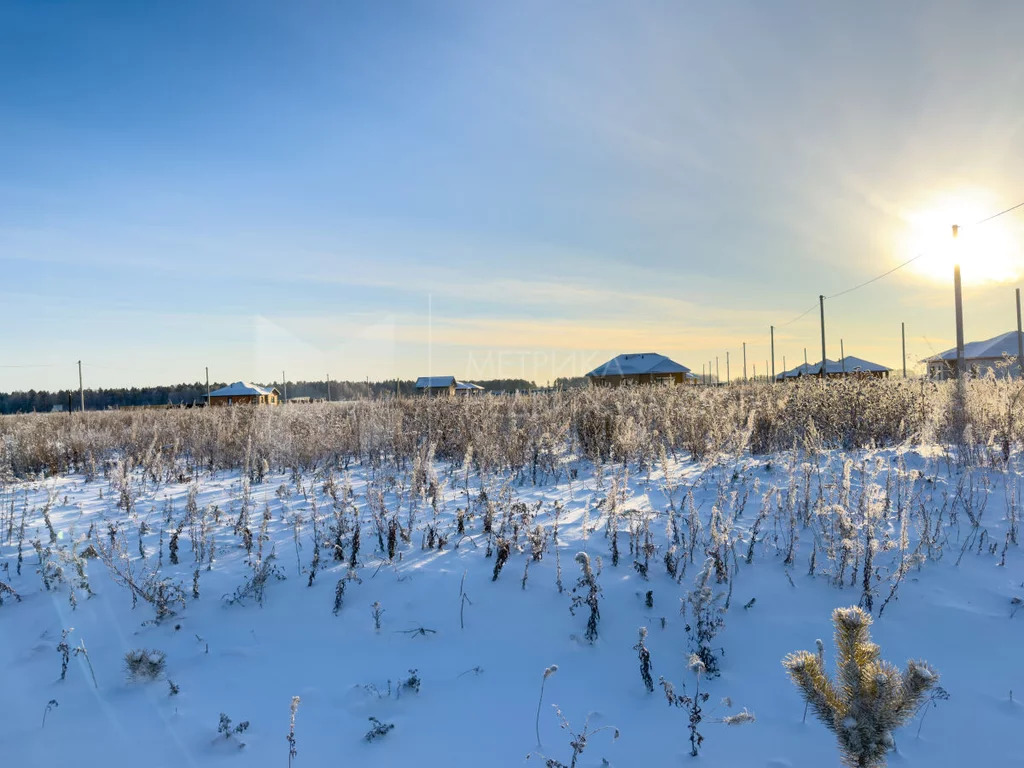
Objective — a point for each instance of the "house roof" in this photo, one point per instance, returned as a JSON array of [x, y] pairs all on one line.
[[429, 382], [241, 389], [994, 348], [638, 363], [468, 386], [848, 364]]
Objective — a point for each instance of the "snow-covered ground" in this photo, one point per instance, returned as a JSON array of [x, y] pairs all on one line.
[[479, 684]]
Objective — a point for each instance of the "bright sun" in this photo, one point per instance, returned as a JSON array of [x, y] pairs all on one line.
[[992, 252]]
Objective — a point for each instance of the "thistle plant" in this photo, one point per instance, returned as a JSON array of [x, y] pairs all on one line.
[[869, 698]]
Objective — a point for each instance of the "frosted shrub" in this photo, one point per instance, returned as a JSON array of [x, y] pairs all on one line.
[[869, 698], [707, 618], [232, 732], [526, 436], [377, 729], [645, 660], [577, 741], [694, 705], [142, 664]]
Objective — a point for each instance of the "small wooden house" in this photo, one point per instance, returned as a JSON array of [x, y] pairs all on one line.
[[639, 368], [443, 386], [998, 355], [244, 393], [468, 388], [837, 369]]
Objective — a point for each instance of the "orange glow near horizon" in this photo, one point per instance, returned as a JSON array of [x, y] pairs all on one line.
[[987, 253]]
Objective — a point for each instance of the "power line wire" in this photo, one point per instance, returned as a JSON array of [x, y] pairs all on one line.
[[878, 277], [790, 322], [896, 268], [997, 215]]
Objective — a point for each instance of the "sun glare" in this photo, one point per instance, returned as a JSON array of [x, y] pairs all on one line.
[[992, 252]]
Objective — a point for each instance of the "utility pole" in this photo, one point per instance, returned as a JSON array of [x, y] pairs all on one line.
[[703, 376], [207, 385], [903, 337], [821, 304], [284, 387], [842, 355], [1020, 340], [773, 353], [744, 361], [728, 379], [328, 387], [959, 307], [718, 379], [81, 389]]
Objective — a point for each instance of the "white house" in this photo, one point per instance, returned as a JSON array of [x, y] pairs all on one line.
[[997, 355], [844, 366]]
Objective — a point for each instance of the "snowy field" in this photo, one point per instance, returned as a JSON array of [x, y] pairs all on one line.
[[256, 588]]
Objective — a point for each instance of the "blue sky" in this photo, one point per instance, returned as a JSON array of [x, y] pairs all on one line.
[[494, 189]]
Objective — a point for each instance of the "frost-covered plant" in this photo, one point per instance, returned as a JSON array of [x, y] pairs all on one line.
[[577, 741], [707, 618], [412, 682], [645, 660], [548, 672], [80, 650], [51, 704], [377, 729], [692, 704], [339, 595], [229, 731], [504, 548], [587, 592], [143, 664], [869, 698], [64, 649], [263, 569], [6, 589], [292, 751]]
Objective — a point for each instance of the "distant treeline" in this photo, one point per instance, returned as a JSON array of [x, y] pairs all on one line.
[[189, 394]]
